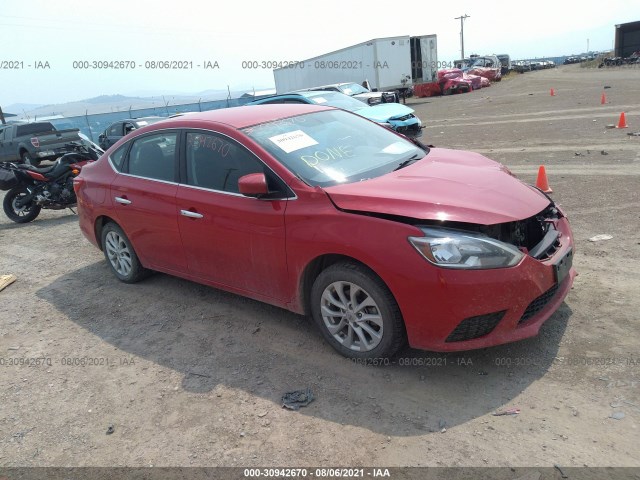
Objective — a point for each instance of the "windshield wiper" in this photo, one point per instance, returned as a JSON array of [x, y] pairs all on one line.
[[406, 162]]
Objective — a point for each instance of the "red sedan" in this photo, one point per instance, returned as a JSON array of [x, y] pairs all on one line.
[[380, 239]]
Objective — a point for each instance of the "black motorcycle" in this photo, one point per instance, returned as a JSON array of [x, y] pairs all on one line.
[[34, 188]]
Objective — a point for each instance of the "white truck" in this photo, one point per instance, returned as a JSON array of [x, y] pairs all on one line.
[[391, 63]]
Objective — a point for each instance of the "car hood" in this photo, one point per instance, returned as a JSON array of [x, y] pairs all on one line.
[[384, 111], [446, 185]]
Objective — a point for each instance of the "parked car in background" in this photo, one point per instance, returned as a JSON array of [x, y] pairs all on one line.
[[34, 142], [488, 67], [358, 91], [398, 117], [505, 61], [521, 66], [119, 129], [317, 210]]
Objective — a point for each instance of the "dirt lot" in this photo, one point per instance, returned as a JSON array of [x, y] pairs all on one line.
[[195, 375]]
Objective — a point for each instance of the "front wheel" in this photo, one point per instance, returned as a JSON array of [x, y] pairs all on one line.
[[121, 256], [356, 312], [17, 212]]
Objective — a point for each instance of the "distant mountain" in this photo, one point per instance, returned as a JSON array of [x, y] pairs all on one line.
[[109, 99], [116, 103], [17, 108]]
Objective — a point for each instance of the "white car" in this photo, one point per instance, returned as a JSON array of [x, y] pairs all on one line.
[[359, 92]]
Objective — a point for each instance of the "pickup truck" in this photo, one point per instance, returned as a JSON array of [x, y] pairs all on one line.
[[33, 142]]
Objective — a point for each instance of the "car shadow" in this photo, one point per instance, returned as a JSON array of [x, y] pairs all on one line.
[[213, 338], [40, 223]]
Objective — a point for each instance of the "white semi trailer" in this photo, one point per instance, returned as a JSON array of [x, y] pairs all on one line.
[[386, 63]]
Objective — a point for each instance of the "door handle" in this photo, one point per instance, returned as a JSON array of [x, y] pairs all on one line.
[[190, 214], [123, 201]]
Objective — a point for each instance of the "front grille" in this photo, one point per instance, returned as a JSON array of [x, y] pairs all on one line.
[[404, 117], [475, 327], [551, 251], [538, 304]]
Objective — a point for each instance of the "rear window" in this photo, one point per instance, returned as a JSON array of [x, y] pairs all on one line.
[[34, 128]]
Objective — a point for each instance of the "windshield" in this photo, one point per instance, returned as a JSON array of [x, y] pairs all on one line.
[[338, 100], [483, 62], [352, 89], [334, 147]]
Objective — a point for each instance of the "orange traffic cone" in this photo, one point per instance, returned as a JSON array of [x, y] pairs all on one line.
[[552, 92], [622, 123], [603, 99], [542, 182]]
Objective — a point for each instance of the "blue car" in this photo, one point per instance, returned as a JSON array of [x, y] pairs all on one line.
[[392, 115]]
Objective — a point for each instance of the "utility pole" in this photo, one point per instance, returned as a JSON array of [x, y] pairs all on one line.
[[462, 18]]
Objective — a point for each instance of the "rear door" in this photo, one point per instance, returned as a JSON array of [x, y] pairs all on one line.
[[143, 198], [231, 239]]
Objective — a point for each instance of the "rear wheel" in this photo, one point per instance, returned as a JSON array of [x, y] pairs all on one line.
[[28, 159], [356, 312], [17, 212], [121, 256]]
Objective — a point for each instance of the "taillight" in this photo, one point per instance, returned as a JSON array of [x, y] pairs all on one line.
[[75, 172], [35, 142], [77, 184]]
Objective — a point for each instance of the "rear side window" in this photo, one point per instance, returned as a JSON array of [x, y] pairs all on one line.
[[34, 128], [154, 156], [117, 157]]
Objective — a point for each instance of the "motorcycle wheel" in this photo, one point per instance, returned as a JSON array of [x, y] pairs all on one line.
[[24, 214]]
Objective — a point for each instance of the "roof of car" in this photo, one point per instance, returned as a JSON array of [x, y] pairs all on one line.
[[240, 117]]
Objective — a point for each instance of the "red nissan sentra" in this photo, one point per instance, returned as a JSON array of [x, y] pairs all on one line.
[[380, 239]]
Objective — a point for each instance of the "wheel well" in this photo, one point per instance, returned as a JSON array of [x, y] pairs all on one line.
[[314, 268], [101, 221]]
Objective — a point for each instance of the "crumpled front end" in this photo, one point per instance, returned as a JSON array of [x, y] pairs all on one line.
[[469, 309]]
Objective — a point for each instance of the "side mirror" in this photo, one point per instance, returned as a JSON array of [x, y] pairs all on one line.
[[253, 185]]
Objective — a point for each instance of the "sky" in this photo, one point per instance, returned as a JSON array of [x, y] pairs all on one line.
[[55, 34]]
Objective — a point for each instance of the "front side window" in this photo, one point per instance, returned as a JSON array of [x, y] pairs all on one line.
[[153, 156], [115, 130], [216, 162]]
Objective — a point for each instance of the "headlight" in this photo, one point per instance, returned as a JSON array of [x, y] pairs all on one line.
[[450, 248]]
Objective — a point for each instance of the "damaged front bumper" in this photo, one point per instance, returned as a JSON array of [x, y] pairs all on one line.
[[469, 309]]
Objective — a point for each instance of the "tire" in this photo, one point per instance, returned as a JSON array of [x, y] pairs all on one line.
[[120, 255], [381, 336], [17, 214], [28, 159]]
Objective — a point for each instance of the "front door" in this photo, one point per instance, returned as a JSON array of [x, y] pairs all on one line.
[[228, 238]]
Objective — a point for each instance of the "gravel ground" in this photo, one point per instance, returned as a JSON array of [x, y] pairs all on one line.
[[192, 376]]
